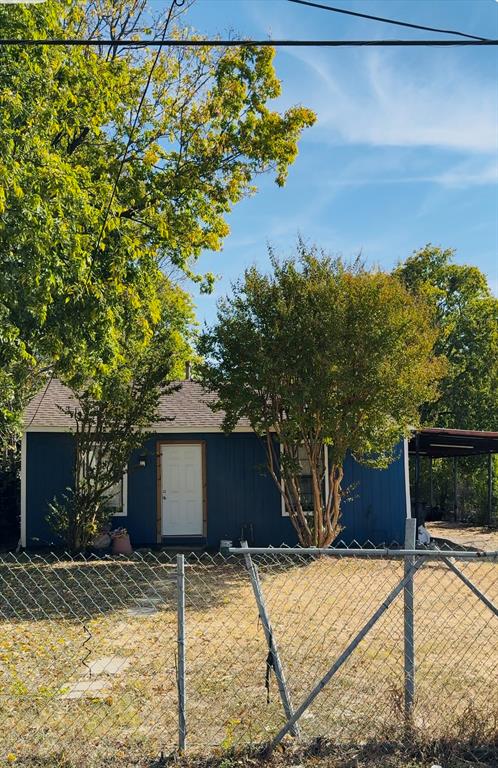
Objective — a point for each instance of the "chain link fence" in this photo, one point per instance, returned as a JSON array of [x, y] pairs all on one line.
[[353, 646]]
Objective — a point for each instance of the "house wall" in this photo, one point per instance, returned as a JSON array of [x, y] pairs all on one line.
[[49, 471], [242, 500]]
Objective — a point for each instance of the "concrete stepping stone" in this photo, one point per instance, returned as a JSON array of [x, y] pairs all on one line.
[[142, 610], [108, 665], [152, 600], [94, 689]]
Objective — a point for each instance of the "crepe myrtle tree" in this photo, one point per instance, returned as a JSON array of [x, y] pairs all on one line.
[[112, 415], [320, 353], [110, 421]]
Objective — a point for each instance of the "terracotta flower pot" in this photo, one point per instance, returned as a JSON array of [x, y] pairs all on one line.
[[121, 545]]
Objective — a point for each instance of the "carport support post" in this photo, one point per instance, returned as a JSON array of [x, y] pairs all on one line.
[[409, 645], [180, 580], [431, 485], [418, 502], [490, 488], [455, 487], [270, 639]]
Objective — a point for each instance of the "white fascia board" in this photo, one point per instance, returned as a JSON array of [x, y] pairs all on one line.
[[23, 488], [48, 429], [406, 465], [198, 430], [161, 431]]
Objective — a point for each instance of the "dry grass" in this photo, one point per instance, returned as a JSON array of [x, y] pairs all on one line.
[[58, 618], [468, 536]]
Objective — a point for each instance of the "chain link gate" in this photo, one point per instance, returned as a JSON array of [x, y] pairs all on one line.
[[404, 626], [414, 560]]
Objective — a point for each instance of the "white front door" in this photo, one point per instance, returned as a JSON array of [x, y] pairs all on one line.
[[181, 490]]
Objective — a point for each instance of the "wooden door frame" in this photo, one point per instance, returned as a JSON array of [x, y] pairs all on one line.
[[159, 445]]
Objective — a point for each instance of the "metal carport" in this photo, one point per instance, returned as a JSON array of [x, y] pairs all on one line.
[[437, 443]]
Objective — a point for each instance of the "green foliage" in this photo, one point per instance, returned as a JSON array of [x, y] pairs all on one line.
[[71, 522], [204, 133], [317, 353], [112, 418], [467, 319]]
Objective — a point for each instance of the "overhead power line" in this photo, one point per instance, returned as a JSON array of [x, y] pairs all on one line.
[[384, 20], [244, 43]]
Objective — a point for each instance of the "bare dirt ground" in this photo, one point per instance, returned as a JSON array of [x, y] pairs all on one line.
[[88, 660], [473, 536]]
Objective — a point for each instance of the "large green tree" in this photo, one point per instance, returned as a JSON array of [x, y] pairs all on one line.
[[91, 210], [466, 314], [320, 353]]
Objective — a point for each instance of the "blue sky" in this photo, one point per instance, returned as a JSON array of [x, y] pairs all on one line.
[[405, 147]]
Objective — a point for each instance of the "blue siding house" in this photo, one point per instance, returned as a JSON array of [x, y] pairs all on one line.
[[191, 485]]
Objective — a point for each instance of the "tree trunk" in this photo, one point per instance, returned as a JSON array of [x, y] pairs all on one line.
[[333, 508], [298, 517], [289, 491], [318, 506]]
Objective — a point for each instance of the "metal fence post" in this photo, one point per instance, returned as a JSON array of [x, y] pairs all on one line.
[[408, 633], [180, 581], [270, 639]]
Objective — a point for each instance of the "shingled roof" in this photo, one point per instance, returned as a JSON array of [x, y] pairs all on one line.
[[188, 408]]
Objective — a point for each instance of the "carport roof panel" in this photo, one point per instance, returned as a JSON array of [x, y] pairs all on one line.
[[440, 442]]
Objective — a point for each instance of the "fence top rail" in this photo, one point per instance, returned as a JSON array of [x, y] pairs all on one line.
[[434, 554]]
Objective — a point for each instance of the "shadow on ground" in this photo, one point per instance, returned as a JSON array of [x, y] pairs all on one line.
[[318, 754], [37, 587]]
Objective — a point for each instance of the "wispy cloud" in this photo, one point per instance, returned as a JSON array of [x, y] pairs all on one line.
[[377, 100], [468, 173]]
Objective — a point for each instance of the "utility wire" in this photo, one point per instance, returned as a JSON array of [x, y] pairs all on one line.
[[159, 43], [383, 19], [244, 43]]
